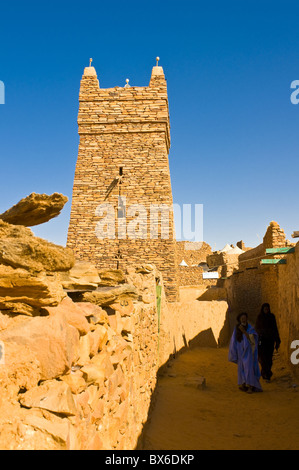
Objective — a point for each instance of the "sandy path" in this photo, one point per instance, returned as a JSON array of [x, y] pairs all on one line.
[[220, 416]]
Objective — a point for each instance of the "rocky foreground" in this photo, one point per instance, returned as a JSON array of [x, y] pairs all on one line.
[[73, 372]]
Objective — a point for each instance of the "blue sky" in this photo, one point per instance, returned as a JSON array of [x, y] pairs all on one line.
[[229, 66]]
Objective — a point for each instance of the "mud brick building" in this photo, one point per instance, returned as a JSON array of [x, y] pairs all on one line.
[[122, 174]]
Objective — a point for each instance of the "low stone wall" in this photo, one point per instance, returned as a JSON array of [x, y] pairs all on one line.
[[79, 376], [287, 302]]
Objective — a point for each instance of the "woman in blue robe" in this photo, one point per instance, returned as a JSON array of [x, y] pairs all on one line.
[[243, 351]]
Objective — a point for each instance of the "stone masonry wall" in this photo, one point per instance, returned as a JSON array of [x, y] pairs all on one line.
[[192, 276], [77, 377], [123, 152], [287, 304], [80, 376], [254, 284], [250, 283]]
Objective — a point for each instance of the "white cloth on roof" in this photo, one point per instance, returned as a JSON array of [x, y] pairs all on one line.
[[235, 251], [183, 263], [226, 248]]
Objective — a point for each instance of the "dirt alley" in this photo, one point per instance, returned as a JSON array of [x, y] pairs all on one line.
[[220, 417]]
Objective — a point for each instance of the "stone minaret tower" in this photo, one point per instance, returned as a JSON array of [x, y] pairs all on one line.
[[122, 175]]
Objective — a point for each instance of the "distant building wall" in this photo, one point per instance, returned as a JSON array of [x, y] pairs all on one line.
[[253, 284]]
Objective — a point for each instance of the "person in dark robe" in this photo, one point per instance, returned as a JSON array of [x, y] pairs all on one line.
[[269, 339], [243, 351]]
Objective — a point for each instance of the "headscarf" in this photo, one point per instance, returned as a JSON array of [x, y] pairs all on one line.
[[239, 334]]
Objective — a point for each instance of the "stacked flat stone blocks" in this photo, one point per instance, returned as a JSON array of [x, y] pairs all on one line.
[[123, 152]]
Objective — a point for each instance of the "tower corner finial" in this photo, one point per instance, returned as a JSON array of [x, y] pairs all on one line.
[[157, 70], [90, 70]]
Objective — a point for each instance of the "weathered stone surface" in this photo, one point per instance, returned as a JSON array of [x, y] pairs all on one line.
[[95, 313], [35, 209], [53, 395], [53, 342], [145, 269], [93, 374], [75, 381], [99, 338], [72, 314], [102, 362], [108, 295], [20, 286], [118, 349], [124, 307], [111, 277], [19, 248], [19, 308], [81, 276], [21, 370], [109, 378], [84, 350], [59, 431]]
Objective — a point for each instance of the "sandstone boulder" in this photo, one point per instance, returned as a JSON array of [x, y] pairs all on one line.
[[19, 308], [53, 342], [95, 313], [111, 277], [84, 350], [92, 343], [20, 248], [72, 314], [20, 370], [75, 381], [53, 395], [109, 295], [82, 276], [20, 286], [102, 362], [93, 374], [35, 209], [99, 338], [58, 431]]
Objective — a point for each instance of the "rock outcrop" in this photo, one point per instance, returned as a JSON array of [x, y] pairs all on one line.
[[77, 378], [20, 248], [72, 374], [35, 209], [22, 287], [82, 276], [109, 295]]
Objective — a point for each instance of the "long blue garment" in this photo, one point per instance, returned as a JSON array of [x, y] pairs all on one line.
[[247, 359]]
